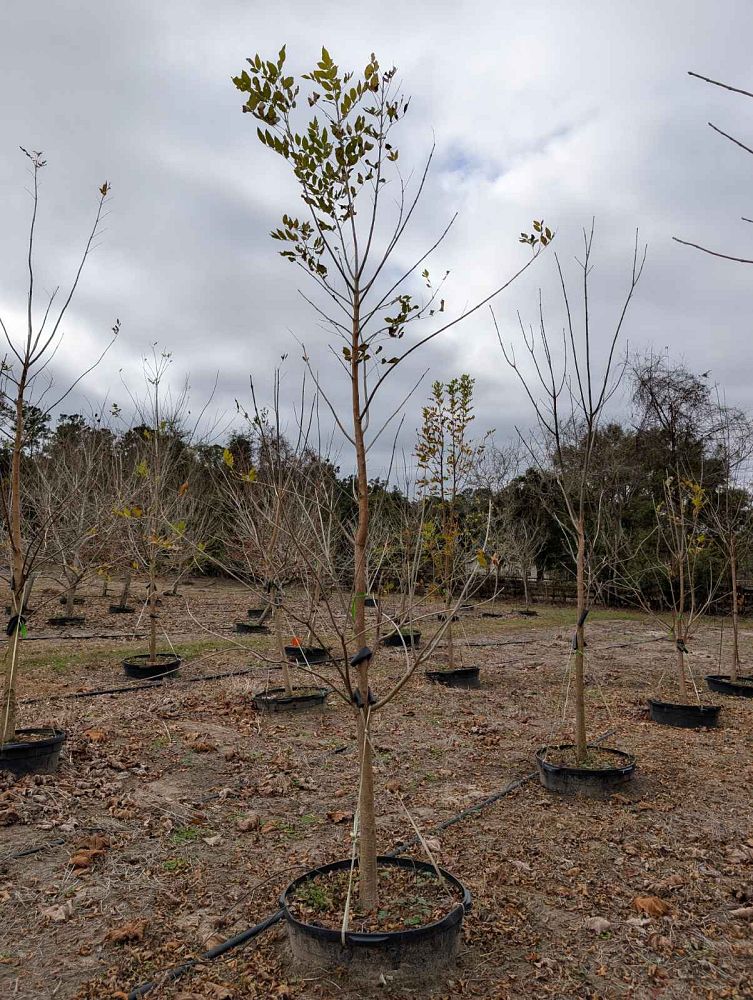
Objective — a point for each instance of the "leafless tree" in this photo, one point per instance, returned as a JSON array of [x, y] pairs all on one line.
[[569, 399]]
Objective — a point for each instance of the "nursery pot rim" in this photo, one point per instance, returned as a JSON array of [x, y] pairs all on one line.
[[586, 772], [454, 672], [272, 695], [148, 659], [727, 686], [314, 655], [685, 707], [53, 737], [251, 625], [372, 938], [142, 667]]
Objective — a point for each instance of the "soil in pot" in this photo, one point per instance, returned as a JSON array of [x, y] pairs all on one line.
[[142, 667], [256, 614], [303, 698], [307, 655], [684, 716], [462, 677], [408, 639], [33, 751], [723, 684], [415, 932], [121, 609], [603, 770], [62, 620], [251, 627]]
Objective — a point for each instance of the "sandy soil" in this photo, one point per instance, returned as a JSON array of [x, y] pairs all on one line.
[[180, 813]]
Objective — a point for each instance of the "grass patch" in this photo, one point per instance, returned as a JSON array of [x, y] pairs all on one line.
[[185, 835]]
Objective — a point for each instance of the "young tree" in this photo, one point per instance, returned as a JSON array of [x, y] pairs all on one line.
[[446, 461], [569, 403], [675, 406], [731, 511], [158, 459], [30, 353], [338, 141], [70, 493]]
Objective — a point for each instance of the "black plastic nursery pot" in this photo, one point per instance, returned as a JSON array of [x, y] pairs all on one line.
[[590, 782], [444, 615], [253, 627], [62, 620], [417, 951], [121, 609], [723, 684], [307, 655], [140, 666], [370, 602], [64, 600], [684, 716], [462, 677], [275, 699], [401, 639], [38, 753]]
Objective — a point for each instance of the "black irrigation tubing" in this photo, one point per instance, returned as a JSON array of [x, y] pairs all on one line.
[[479, 806], [170, 975], [27, 851], [147, 686]]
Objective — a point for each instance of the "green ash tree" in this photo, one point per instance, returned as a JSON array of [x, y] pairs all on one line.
[[335, 131]]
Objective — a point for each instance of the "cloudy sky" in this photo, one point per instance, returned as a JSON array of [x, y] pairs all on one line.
[[561, 110]]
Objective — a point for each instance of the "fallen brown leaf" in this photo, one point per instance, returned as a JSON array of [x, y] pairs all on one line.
[[339, 816], [251, 821], [95, 735], [126, 933], [652, 906]]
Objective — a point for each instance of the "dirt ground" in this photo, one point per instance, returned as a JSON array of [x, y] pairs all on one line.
[[180, 813]]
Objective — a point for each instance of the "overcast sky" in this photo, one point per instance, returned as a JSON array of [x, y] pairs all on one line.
[[540, 109]]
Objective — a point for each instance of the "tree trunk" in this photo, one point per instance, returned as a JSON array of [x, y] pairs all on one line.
[[526, 595], [735, 664], [18, 588], [581, 746], [367, 868], [152, 619], [105, 584], [678, 630], [70, 599], [286, 678], [126, 591]]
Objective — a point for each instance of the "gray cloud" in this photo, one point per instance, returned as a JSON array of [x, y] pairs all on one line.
[[565, 111]]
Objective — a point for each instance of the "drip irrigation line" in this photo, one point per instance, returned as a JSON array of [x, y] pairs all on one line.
[[27, 851], [170, 975], [81, 638], [480, 806], [147, 686]]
